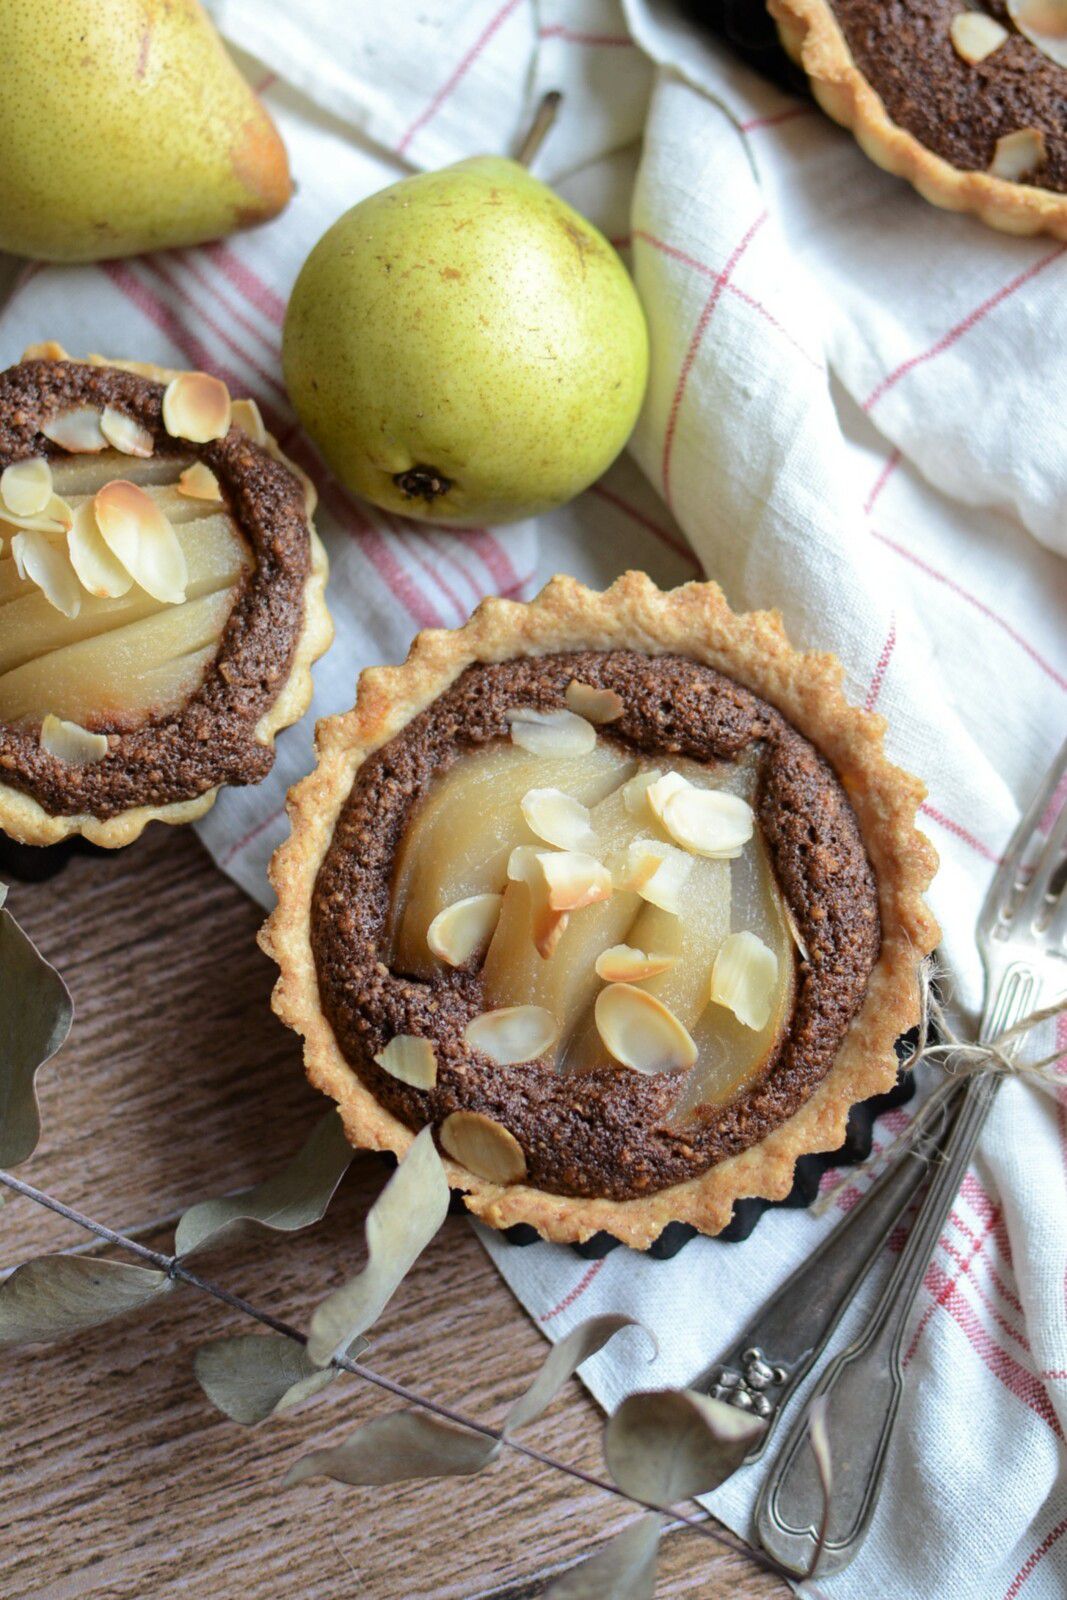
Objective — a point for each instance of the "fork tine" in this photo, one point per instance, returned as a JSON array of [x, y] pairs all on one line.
[[998, 898], [1033, 901]]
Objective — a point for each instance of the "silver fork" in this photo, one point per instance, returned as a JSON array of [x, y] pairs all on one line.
[[1022, 938]]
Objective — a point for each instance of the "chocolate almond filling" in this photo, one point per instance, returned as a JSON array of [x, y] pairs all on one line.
[[608, 1132], [211, 741], [959, 111]]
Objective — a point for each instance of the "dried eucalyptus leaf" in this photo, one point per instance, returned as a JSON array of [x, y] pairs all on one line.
[[293, 1198], [55, 1295], [622, 1569], [392, 1449], [36, 1012], [399, 1226], [561, 1363], [255, 1376], [670, 1444]]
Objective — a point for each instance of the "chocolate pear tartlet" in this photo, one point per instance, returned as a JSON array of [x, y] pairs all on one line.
[[161, 596], [614, 890], [966, 101]]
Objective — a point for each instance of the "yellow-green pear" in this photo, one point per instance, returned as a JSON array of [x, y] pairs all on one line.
[[125, 126], [464, 347]]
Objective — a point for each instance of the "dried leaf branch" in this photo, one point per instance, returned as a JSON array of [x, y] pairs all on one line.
[[175, 1269], [36, 1012]]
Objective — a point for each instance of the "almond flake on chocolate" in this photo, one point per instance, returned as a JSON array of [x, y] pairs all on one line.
[[551, 733], [198, 482], [512, 1034], [140, 536], [38, 560], [641, 1032], [26, 486], [1044, 23], [743, 979], [1018, 155], [124, 433], [623, 963], [483, 1146], [99, 571], [595, 705], [557, 818], [708, 822], [196, 407], [574, 879], [464, 929], [77, 431], [410, 1059], [246, 416], [72, 744], [975, 35]]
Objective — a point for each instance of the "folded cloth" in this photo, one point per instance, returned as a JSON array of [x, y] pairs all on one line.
[[856, 414]]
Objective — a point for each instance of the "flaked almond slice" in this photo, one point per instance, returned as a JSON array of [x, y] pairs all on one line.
[[976, 35], [410, 1059], [483, 1146], [595, 705], [635, 792], [246, 416], [125, 433], [196, 407], [56, 517], [623, 963], [574, 879], [743, 979], [1044, 23], [794, 930], [77, 431], [657, 794], [47, 565], [512, 1034], [709, 822], [548, 926], [198, 482], [70, 743], [641, 1032], [557, 818], [136, 531], [26, 486], [45, 350], [656, 870], [551, 733], [98, 570], [464, 929], [1018, 155]]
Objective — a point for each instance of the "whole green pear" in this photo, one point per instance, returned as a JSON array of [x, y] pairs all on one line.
[[125, 126], [464, 347]]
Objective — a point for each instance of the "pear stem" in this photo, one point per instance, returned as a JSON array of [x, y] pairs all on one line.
[[544, 117]]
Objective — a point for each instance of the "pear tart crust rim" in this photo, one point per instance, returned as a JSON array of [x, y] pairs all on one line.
[[812, 36], [22, 815], [752, 648]]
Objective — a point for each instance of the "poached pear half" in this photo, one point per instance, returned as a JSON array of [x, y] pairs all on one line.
[[464, 347]]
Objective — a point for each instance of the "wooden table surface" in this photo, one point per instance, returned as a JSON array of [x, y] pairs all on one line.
[[121, 1481]]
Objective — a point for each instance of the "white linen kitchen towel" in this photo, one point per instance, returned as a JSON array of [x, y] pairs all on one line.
[[857, 413]]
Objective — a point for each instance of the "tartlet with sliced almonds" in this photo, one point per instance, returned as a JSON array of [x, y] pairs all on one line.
[[964, 100], [617, 892], [161, 596]]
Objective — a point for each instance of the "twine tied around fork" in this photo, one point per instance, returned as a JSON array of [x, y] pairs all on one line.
[[958, 1058]]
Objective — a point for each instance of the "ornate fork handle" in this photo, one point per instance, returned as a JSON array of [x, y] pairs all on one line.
[[863, 1384]]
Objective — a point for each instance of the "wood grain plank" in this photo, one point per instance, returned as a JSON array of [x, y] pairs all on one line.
[[123, 1483]]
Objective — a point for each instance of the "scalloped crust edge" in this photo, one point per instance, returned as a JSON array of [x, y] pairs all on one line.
[[812, 36], [752, 648], [24, 819]]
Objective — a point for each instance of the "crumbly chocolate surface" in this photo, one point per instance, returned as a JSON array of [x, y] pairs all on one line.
[[609, 1132], [211, 740], [958, 111]]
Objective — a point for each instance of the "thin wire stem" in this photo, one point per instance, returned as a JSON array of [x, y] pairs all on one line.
[[174, 1268]]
